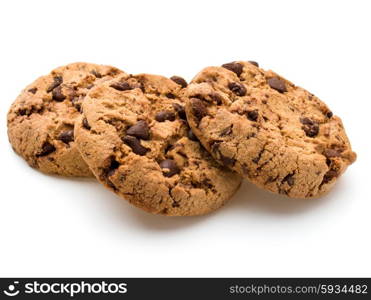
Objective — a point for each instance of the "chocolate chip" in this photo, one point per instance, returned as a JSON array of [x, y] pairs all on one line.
[[171, 167], [237, 88], [170, 95], [253, 115], [216, 98], [329, 114], [29, 111], [331, 153], [234, 67], [75, 102], [96, 73], [33, 90], [165, 115], [289, 179], [258, 157], [226, 131], [121, 86], [66, 136], [277, 84], [215, 148], [22, 112], [254, 63], [311, 128], [179, 80], [192, 136], [58, 95], [180, 110], [198, 108], [114, 165], [329, 176], [135, 145], [227, 161], [47, 148], [57, 82], [139, 130], [85, 124], [306, 121]]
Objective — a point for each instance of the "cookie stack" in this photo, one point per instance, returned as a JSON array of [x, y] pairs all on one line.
[[174, 148]]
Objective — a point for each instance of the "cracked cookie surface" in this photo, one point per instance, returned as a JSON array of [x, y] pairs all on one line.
[[277, 135], [41, 119], [135, 138]]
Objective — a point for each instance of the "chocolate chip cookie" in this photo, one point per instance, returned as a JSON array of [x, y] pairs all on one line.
[[41, 120], [275, 134], [134, 136]]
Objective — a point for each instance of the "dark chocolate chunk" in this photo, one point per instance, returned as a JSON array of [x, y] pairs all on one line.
[[66, 136], [57, 82], [226, 131], [227, 161], [237, 88], [180, 110], [331, 153], [329, 114], [165, 115], [22, 112], [311, 131], [75, 102], [215, 148], [121, 86], [171, 167], [253, 115], [139, 130], [234, 67], [57, 94], [114, 165], [329, 176], [47, 148], [33, 90], [96, 73], [306, 121], [289, 179], [311, 128], [254, 63], [179, 80], [170, 95], [277, 84], [85, 124], [216, 98], [198, 108], [135, 145]]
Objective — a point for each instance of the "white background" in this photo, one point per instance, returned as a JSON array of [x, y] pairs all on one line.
[[52, 226]]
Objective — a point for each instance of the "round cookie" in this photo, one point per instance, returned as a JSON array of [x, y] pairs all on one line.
[[135, 138], [41, 120], [277, 135]]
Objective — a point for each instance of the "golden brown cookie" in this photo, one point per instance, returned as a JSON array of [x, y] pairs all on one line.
[[41, 120], [135, 138], [275, 134]]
